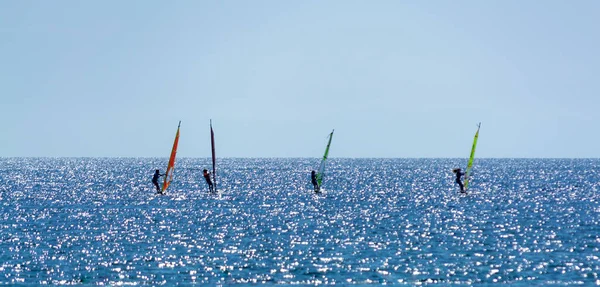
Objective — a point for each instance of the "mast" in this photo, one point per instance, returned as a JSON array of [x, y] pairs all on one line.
[[214, 158], [471, 157], [322, 166], [171, 165]]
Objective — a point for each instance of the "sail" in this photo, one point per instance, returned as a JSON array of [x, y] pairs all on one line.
[[470, 164], [171, 166], [214, 158], [322, 166]]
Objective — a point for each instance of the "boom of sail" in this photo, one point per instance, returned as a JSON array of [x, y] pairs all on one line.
[[470, 164], [171, 166]]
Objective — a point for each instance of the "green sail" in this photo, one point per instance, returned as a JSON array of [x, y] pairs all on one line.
[[470, 164], [322, 166]]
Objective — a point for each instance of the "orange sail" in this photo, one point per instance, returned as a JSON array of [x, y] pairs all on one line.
[[171, 167]]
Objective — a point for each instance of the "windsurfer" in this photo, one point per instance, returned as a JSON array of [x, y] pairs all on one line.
[[155, 179], [206, 175], [459, 174], [313, 178]]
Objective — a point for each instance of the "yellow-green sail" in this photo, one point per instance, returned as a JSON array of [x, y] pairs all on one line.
[[322, 166], [470, 164]]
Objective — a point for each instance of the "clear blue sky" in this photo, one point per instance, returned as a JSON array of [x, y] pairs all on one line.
[[394, 78]]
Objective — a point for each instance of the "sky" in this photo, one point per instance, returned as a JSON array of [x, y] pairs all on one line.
[[395, 79]]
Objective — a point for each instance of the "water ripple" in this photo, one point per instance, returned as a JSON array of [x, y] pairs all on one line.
[[393, 221]]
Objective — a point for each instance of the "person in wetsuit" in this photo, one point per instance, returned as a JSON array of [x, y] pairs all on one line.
[[155, 179], [206, 175], [459, 174], [313, 178]]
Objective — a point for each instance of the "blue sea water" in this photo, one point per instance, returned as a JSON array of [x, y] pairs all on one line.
[[98, 221]]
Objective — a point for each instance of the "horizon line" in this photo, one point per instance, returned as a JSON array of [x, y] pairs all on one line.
[[186, 157]]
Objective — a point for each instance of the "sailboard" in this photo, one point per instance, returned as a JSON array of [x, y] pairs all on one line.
[[471, 157], [171, 166], [321, 172], [214, 158]]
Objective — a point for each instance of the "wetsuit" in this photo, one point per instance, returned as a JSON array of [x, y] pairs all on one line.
[[313, 178], [459, 181], [208, 181], [155, 180]]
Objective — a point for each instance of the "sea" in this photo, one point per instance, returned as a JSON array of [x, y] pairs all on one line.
[[99, 221]]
